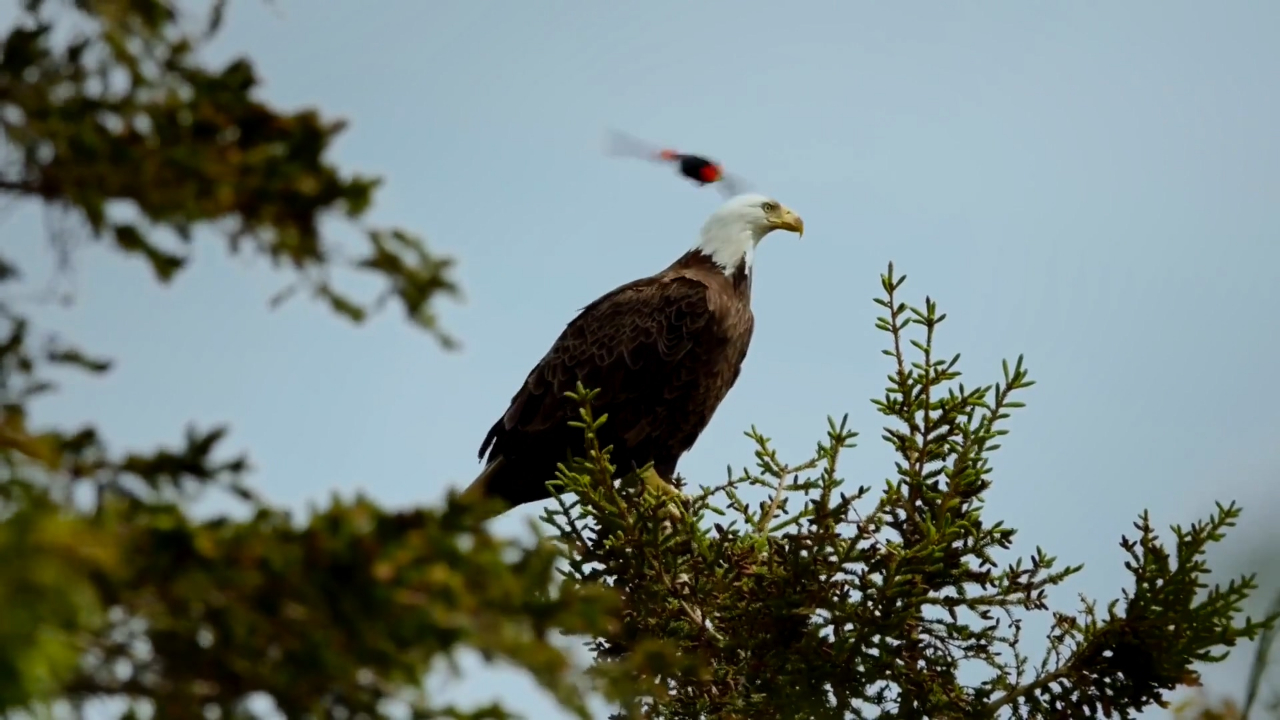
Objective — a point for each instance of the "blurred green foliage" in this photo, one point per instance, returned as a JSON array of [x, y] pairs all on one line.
[[821, 601], [109, 587]]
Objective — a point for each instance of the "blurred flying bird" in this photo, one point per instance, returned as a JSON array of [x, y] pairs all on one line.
[[701, 170]]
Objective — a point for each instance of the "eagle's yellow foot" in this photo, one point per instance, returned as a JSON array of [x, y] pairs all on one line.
[[656, 483]]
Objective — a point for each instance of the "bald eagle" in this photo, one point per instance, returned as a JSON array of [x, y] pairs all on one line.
[[663, 351]]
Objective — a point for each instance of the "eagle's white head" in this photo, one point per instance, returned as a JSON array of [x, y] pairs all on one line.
[[730, 235]]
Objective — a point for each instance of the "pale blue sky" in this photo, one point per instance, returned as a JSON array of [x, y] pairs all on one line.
[[1093, 184]]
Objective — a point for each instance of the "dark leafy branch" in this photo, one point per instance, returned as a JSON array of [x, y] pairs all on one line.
[[122, 127]]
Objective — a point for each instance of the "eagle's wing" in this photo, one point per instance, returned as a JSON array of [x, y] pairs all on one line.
[[624, 344]]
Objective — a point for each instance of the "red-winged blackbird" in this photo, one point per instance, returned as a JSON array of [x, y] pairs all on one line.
[[699, 169]]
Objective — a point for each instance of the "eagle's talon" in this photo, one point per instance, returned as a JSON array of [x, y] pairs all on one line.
[[673, 507]]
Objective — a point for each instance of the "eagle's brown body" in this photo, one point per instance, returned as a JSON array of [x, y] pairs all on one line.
[[663, 351]]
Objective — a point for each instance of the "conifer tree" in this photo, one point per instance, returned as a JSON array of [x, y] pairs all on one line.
[[825, 600]]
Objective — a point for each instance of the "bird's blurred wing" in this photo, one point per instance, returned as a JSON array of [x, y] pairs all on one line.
[[732, 185], [619, 143]]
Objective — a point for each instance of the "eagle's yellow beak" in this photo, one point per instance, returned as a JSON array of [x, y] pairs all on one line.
[[784, 218]]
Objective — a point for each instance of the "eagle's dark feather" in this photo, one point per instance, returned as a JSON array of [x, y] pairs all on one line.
[[663, 351]]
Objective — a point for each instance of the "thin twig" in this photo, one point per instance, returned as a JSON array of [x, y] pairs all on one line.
[[1022, 691], [763, 526], [693, 613]]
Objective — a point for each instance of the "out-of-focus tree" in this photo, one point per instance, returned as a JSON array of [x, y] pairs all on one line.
[[109, 586]]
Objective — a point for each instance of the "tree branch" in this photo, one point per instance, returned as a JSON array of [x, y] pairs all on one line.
[[1024, 690], [24, 188]]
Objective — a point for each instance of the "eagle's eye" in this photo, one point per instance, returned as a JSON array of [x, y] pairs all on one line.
[[769, 207]]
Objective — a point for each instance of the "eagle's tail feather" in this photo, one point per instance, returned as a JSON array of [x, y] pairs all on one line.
[[479, 488]]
